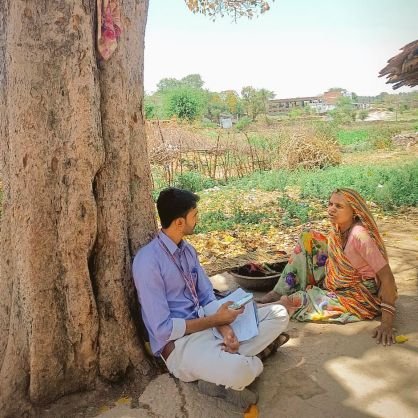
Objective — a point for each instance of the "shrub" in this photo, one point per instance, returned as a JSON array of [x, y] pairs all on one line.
[[243, 123], [266, 180], [149, 110], [293, 210], [296, 113], [184, 103], [219, 221], [193, 181], [387, 186], [214, 221], [381, 137], [362, 114], [207, 123]]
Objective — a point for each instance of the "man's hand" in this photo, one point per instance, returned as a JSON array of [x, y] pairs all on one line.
[[230, 343], [226, 316]]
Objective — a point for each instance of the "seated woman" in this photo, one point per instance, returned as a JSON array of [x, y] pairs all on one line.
[[344, 278]]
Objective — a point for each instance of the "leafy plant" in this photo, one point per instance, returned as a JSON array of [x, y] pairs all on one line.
[[293, 210], [243, 123], [220, 221], [193, 181], [344, 111], [184, 103], [149, 110], [362, 114], [256, 101], [400, 183]]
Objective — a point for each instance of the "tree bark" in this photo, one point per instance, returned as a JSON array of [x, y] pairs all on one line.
[[76, 200]]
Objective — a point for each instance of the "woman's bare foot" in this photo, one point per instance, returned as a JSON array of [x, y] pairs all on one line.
[[288, 304], [269, 297]]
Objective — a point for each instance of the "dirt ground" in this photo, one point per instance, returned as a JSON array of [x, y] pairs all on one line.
[[338, 370], [329, 370], [335, 371]]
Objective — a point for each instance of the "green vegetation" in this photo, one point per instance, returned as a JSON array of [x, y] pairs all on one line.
[[271, 140], [350, 137], [294, 211], [388, 186], [371, 135], [187, 99], [219, 221], [256, 101], [184, 103], [243, 123], [344, 112], [193, 181], [362, 114]]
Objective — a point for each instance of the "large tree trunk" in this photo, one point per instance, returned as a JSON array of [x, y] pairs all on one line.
[[76, 199]]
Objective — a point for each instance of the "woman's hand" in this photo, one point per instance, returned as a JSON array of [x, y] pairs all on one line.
[[384, 333], [388, 293], [387, 290]]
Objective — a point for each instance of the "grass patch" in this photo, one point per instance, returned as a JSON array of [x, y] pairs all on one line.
[[388, 186], [372, 136], [295, 212], [220, 221], [352, 137]]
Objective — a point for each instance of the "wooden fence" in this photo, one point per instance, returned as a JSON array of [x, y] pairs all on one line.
[[175, 149]]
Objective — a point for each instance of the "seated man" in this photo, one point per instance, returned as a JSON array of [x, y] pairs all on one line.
[[179, 310]]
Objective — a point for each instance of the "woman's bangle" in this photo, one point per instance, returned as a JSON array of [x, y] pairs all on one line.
[[386, 305], [389, 311]]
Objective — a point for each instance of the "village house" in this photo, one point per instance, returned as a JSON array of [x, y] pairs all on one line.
[[321, 104]]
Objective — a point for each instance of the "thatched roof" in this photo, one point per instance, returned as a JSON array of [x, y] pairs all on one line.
[[402, 69]]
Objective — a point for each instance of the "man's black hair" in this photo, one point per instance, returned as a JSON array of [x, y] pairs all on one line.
[[175, 203]]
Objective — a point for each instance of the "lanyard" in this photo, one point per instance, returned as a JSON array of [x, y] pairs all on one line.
[[186, 277]]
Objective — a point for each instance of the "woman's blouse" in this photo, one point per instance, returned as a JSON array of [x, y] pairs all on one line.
[[363, 253]]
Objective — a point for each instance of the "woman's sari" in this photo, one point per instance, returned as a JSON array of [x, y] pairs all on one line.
[[321, 282]]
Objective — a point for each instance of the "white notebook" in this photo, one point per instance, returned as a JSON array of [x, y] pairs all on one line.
[[246, 325]]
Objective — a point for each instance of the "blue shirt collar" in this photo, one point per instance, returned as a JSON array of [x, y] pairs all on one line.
[[170, 244]]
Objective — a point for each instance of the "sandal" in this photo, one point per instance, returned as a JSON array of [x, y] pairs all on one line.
[[282, 339]]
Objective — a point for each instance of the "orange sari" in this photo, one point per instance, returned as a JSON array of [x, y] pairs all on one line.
[[340, 275], [331, 290]]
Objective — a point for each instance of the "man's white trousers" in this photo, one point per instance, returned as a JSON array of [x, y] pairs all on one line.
[[199, 356]]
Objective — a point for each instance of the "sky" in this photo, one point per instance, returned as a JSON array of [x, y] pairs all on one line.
[[298, 48]]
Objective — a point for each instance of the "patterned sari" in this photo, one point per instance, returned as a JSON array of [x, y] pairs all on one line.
[[319, 279]]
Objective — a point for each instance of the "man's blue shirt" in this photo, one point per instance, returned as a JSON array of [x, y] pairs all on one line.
[[166, 302]]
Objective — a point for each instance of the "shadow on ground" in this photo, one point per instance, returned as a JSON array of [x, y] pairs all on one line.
[[325, 370]]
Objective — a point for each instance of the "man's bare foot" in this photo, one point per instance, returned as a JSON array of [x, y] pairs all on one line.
[[269, 297]]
